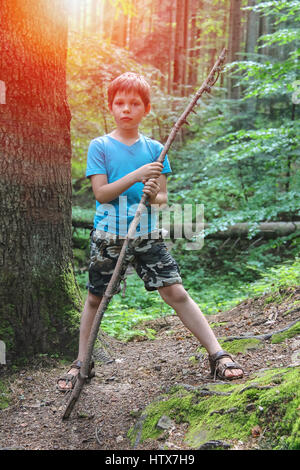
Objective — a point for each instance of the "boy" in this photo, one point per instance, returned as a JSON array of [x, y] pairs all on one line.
[[122, 166]]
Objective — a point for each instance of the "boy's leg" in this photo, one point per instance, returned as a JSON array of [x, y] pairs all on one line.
[[104, 256], [158, 269], [192, 317], [87, 317]]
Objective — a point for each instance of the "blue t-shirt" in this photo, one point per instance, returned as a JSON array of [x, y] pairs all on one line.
[[108, 156]]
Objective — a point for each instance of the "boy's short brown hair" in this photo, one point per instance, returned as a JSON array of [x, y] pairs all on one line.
[[127, 82]]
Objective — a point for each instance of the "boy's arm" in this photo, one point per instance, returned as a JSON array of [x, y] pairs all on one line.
[[106, 192]]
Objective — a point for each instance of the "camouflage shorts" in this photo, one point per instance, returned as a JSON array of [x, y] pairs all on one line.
[[150, 258]]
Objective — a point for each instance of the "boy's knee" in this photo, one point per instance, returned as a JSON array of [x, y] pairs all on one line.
[[174, 294], [93, 300]]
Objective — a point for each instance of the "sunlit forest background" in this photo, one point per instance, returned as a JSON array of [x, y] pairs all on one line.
[[239, 156]]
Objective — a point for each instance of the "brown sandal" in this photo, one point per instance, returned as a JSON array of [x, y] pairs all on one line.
[[218, 369], [72, 378]]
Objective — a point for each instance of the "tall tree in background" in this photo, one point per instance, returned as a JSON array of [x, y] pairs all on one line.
[[252, 32], [234, 43], [39, 299], [179, 58], [193, 46], [94, 16]]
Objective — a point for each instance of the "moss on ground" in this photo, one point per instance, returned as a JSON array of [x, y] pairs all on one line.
[[294, 330], [269, 400], [241, 345], [238, 345]]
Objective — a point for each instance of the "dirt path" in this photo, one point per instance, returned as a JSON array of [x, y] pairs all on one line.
[[138, 373]]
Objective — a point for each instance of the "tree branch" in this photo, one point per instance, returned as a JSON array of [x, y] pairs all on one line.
[[264, 336]]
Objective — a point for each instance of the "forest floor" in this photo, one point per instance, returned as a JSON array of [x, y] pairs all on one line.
[[133, 375]]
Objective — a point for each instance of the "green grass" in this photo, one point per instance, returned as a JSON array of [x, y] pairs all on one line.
[[221, 293]]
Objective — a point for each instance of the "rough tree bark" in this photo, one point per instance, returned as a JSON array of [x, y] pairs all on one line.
[[39, 298]]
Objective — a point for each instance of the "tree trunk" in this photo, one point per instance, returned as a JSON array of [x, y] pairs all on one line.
[[84, 16], [194, 44], [171, 52], [179, 47], [78, 17], [251, 42], [101, 19], [94, 17], [234, 43], [185, 47], [39, 297]]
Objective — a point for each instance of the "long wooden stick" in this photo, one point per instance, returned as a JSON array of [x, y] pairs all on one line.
[[83, 374]]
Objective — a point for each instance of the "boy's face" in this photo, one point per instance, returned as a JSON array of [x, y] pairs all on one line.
[[128, 109]]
